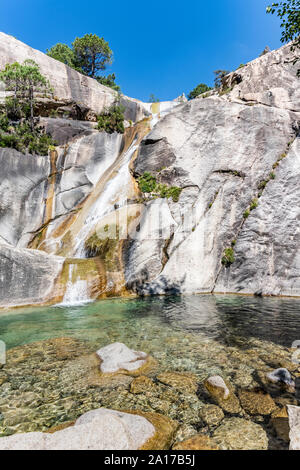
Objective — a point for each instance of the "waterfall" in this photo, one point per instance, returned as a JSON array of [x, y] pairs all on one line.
[[76, 292], [114, 194]]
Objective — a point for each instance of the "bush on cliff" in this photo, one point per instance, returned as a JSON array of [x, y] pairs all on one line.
[[112, 120], [18, 127], [199, 90]]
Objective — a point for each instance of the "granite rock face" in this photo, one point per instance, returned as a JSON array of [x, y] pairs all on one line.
[[27, 276], [234, 155], [237, 163], [70, 87]]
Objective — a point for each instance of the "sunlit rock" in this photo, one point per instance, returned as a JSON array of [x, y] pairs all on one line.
[[100, 429], [117, 357], [294, 424]]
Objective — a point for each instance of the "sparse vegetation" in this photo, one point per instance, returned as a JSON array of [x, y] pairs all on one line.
[[228, 257], [254, 204], [199, 90], [246, 214], [148, 184], [18, 127], [112, 120]]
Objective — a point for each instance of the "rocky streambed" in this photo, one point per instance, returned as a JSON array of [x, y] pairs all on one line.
[[197, 391]]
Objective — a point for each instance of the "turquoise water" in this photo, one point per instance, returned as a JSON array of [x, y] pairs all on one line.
[[226, 319], [46, 383]]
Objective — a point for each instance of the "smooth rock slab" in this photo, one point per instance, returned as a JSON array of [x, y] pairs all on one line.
[[294, 423], [117, 356], [100, 429]]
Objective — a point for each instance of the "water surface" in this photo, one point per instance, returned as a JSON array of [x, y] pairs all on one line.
[[226, 319]]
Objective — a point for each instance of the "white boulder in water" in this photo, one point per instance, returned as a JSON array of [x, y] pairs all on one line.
[[117, 356], [294, 423], [100, 429], [281, 376]]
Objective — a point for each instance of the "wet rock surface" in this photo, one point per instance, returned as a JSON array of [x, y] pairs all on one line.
[[240, 434]]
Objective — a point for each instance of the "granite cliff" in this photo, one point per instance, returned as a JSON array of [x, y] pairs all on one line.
[[75, 224]]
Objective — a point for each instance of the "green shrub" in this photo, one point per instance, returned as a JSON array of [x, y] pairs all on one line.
[[112, 120], [254, 204], [228, 257], [263, 184], [148, 184], [23, 139], [272, 176], [246, 214]]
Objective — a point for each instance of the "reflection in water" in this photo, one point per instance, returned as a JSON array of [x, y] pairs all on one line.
[[227, 319]]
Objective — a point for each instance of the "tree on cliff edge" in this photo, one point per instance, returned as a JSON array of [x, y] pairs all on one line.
[[289, 12], [92, 54]]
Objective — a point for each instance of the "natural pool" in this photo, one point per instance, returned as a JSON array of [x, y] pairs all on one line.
[[241, 338]]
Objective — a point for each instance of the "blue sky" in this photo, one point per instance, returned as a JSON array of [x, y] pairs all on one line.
[[164, 47]]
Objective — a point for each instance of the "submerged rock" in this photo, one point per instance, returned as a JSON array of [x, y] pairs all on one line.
[[222, 393], [256, 403], [212, 415], [280, 422], [117, 356], [240, 434], [294, 424], [141, 384], [199, 442], [181, 381]]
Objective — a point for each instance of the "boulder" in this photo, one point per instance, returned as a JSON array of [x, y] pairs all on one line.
[[257, 403], [100, 429], [211, 415], [27, 276], [185, 382], [294, 425], [222, 393], [141, 384], [118, 356], [281, 376]]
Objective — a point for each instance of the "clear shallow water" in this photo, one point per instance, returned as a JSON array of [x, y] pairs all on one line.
[[226, 319], [46, 383]]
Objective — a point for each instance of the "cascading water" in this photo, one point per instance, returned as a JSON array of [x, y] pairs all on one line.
[[76, 292], [114, 194]]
